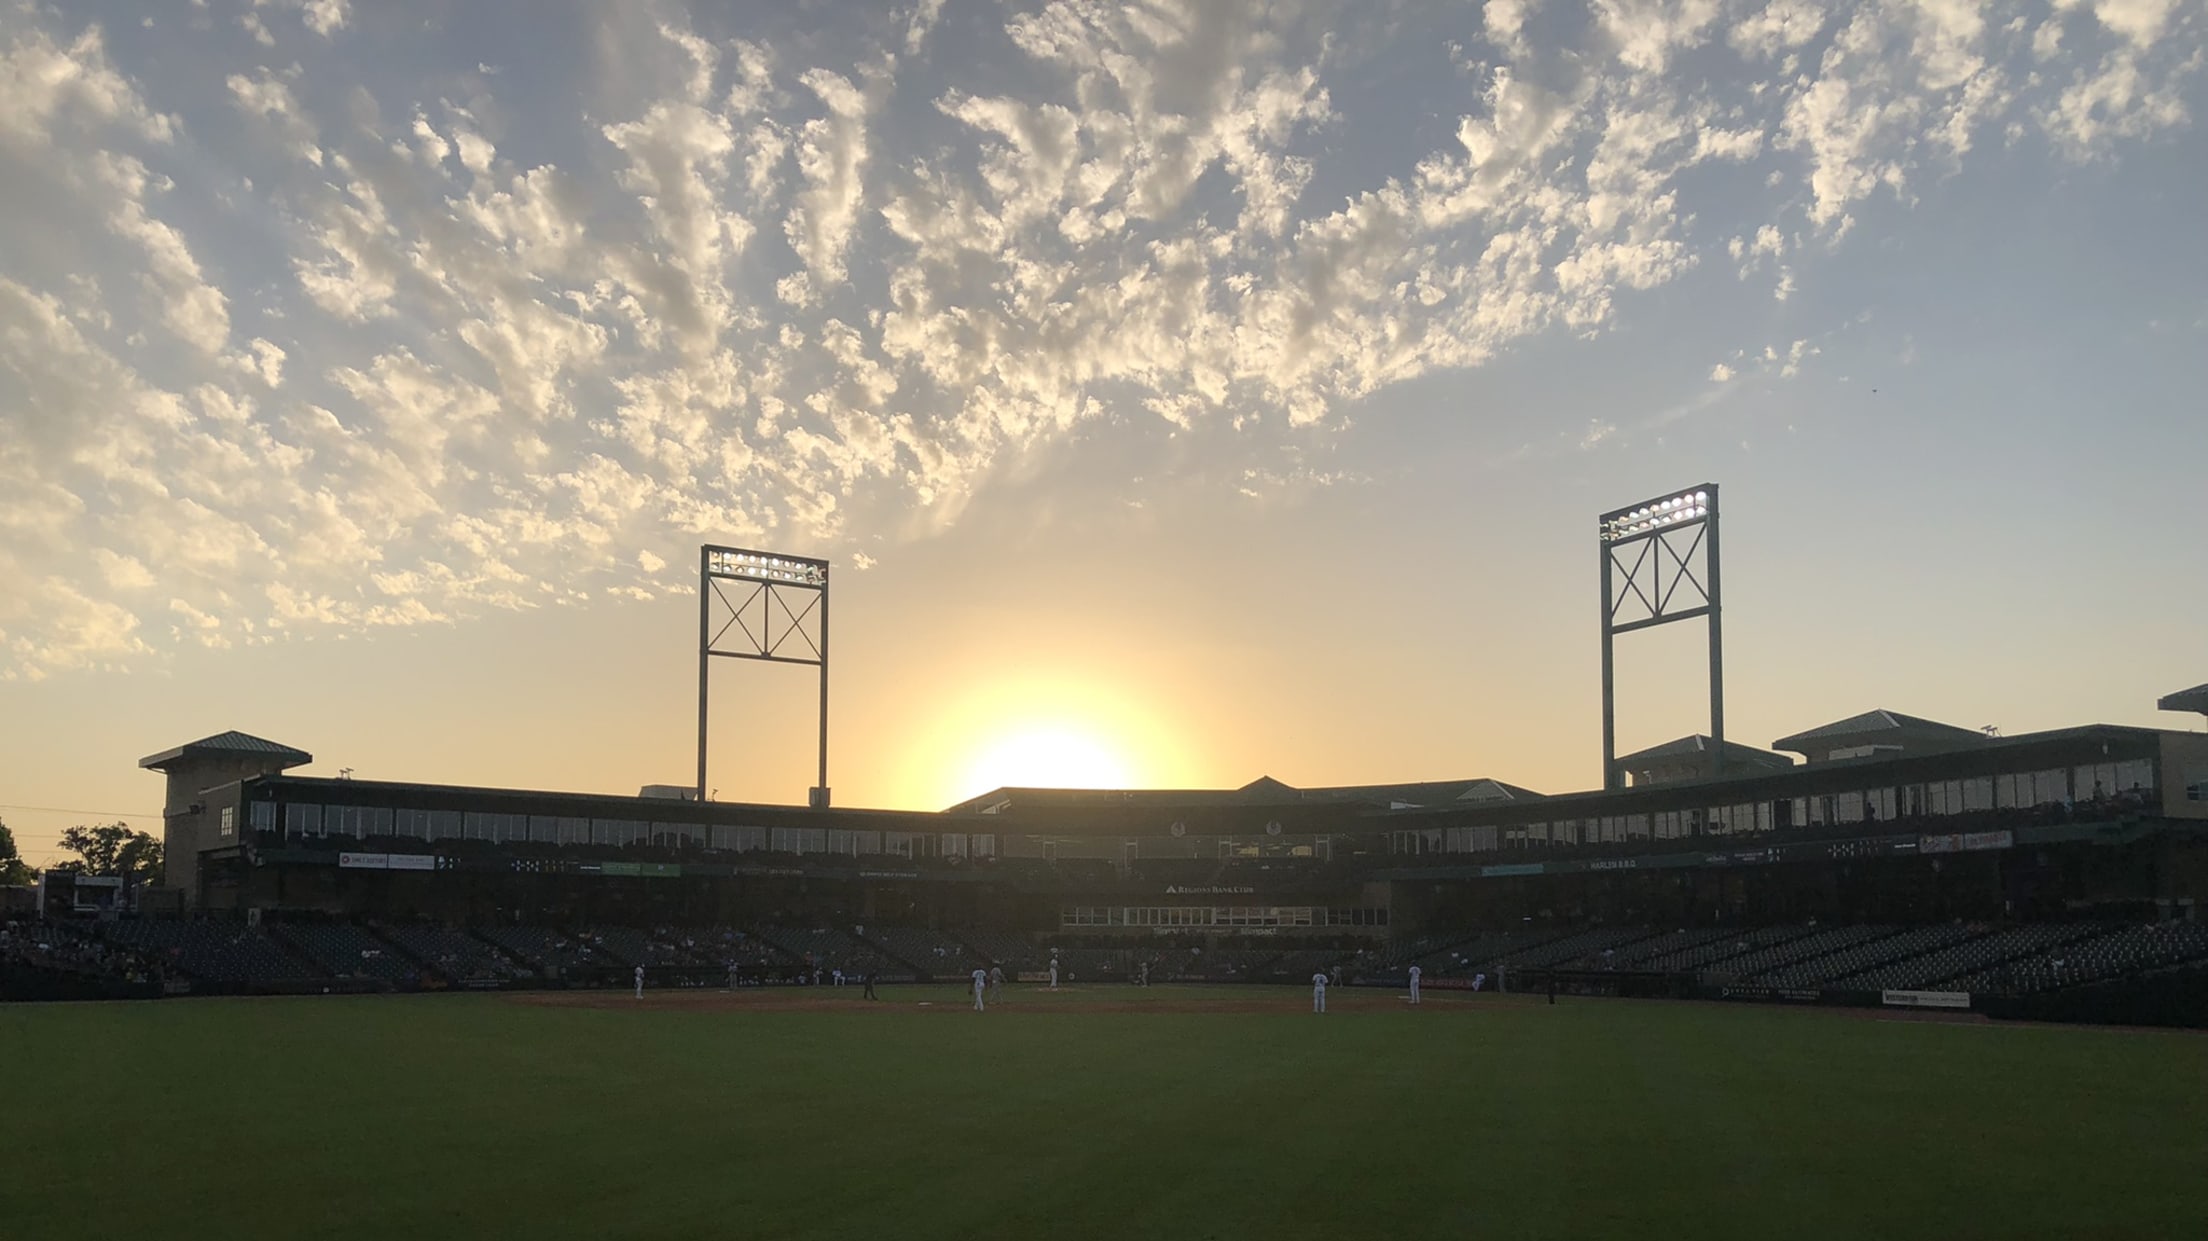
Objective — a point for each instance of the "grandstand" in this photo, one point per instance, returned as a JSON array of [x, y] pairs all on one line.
[[454, 955], [1901, 856], [345, 951]]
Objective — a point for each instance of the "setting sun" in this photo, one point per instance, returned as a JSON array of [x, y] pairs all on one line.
[[1048, 756]]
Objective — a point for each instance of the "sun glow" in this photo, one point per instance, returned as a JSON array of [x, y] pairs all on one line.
[[1049, 756]]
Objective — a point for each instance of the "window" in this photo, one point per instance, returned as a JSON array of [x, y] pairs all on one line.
[[302, 820]]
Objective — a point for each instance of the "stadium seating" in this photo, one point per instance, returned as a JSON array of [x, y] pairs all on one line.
[[221, 952], [1806, 947], [348, 951], [1984, 951], [726, 945], [58, 949], [456, 955], [1485, 954], [931, 953], [1828, 969], [549, 951], [1733, 943], [628, 946], [1014, 952], [1592, 943], [2114, 952], [827, 949]]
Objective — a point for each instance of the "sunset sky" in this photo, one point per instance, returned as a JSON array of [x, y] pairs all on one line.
[[1183, 390]]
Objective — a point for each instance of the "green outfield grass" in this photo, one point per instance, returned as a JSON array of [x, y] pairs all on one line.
[[476, 1116]]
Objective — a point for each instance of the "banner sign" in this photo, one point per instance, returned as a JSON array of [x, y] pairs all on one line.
[[1965, 842], [1511, 868], [387, 861], [1785, 995], [1925, 999]]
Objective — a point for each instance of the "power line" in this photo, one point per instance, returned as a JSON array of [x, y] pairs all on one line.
[[119, 814]]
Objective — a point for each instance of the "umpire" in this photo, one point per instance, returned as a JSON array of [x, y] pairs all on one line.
[[870, 983]]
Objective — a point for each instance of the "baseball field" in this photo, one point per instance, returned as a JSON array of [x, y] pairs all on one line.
[[1176, 1113]]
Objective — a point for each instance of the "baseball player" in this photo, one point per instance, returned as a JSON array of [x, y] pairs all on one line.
[[981, 987], [640, 982], [996, 983], [1415, 971], [1054, 971], [1318, 992]]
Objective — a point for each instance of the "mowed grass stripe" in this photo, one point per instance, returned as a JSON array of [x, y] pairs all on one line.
[[440, 1116]]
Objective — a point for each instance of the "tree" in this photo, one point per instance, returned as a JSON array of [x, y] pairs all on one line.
[[114, 849], [13, 873]]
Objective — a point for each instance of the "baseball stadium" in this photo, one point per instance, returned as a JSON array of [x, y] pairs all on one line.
[[1888, 975]]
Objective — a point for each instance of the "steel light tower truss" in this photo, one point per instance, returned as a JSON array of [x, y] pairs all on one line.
[[763, 606], [1650, 552]]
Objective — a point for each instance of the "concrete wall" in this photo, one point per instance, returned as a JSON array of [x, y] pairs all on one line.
[[186, 834], [2184, 767]]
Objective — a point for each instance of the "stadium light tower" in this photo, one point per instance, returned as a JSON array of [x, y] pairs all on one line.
[[772, 630], [1658, 528]]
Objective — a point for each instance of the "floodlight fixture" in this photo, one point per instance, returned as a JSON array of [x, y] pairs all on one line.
[[760, 567], [1658, 526], [1675, 510], [762, 623]]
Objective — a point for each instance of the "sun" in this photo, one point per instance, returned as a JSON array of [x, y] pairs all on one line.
[[1048, 756]]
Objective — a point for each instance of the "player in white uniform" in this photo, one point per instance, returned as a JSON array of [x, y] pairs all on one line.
[[1054, 971], [1478, 981], [640, 982], [996, 982], [981, 988], [1318, 992], [1415, 971]]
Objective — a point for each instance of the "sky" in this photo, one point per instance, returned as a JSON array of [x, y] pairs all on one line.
[[1183, 390]]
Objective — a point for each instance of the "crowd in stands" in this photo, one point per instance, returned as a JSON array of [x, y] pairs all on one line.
[[55, 948]]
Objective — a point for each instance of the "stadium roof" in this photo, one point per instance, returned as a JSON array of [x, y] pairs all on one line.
[[2194, 699], [1690, 747], [232, 742], [1891, 727], [1263, 791]]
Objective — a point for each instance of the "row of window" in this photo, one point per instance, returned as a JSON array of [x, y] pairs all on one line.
[[1220, 915], [303, 820], [2060, 786]]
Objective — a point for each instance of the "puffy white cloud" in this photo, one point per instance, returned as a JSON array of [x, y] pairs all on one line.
[[47, 83], [323, 17], [350, 350]]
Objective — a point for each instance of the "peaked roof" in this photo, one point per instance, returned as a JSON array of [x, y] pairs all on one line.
[[1871, 723], [2194, 699], [1423, 792], [1698, 744], [1263, 791], [232, 742]]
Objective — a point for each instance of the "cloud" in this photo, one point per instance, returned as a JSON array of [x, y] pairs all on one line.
[[330, 349]]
